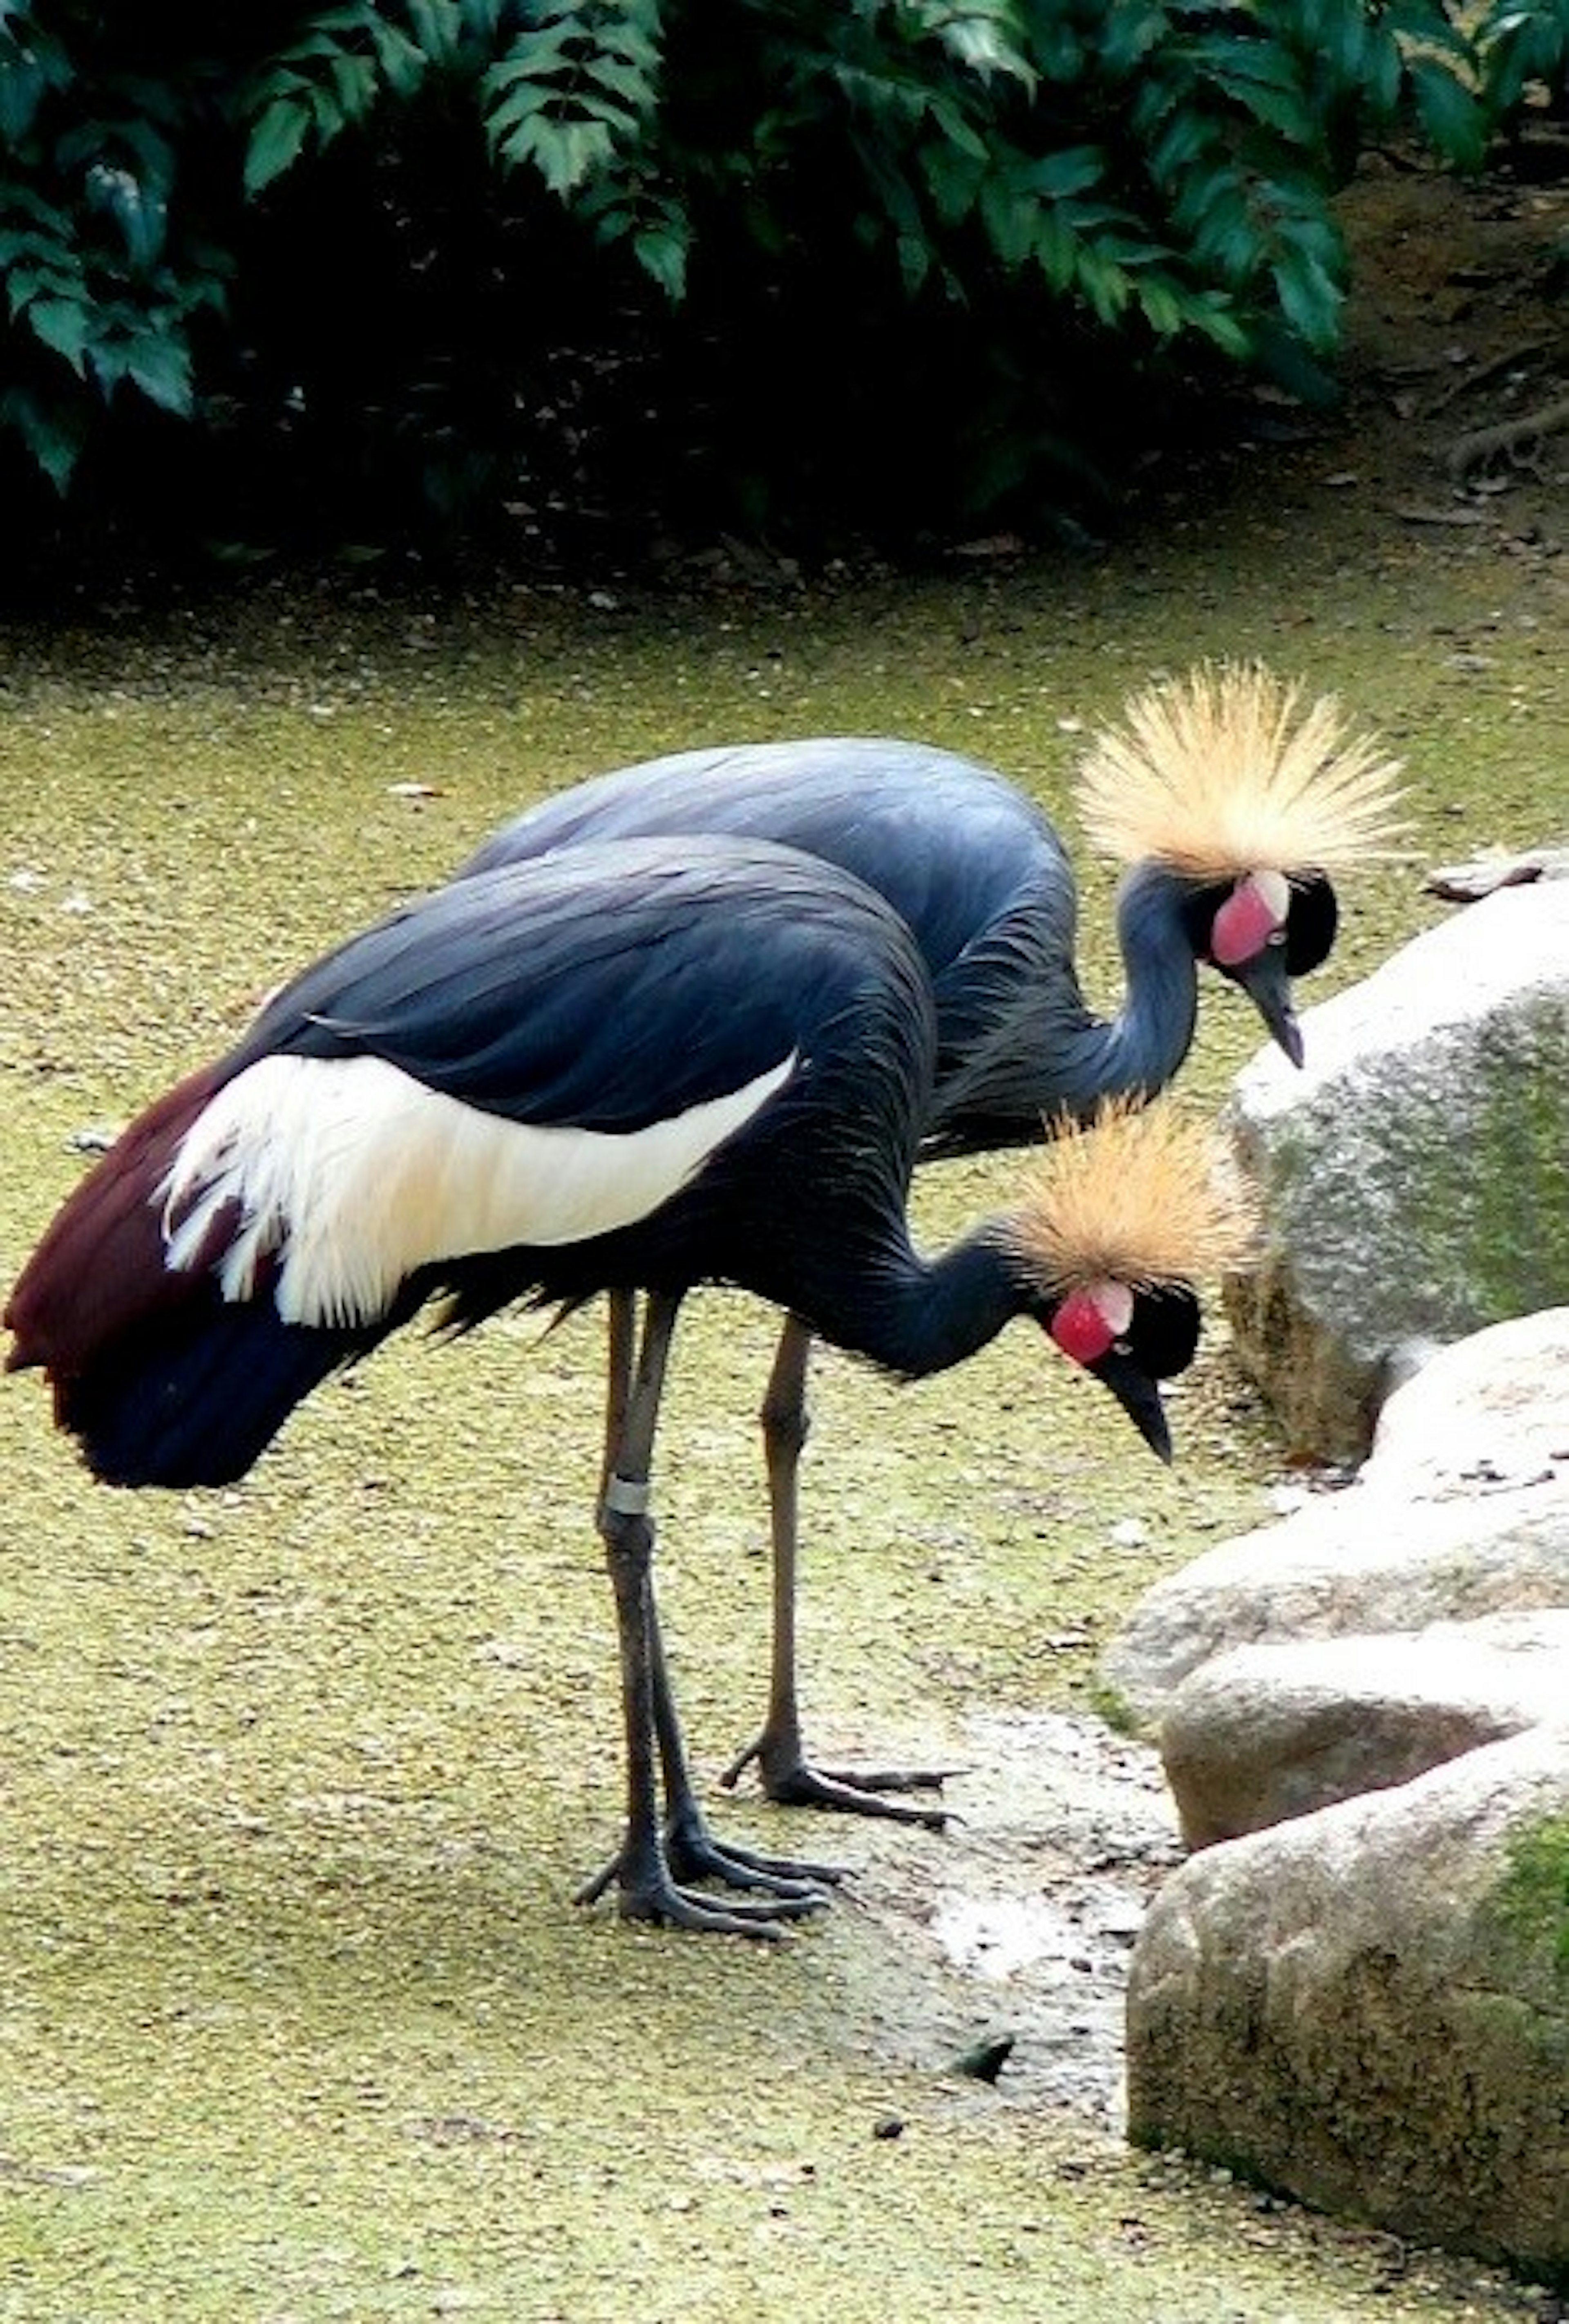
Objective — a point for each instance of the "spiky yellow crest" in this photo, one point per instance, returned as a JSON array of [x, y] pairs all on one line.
[[1144, 1196], [1225, 771]]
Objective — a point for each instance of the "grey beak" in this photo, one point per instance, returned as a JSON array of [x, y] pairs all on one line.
[[1139, 1397], [1269, 987]]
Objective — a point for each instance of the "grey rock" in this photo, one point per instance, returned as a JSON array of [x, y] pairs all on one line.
[[1350, 1562], [1368, 2008], [1484, 875], [1265, 1733], [1463, 1510], [1412, 1173], [1487, 1415]]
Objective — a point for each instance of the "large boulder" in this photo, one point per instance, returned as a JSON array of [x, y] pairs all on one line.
[[1413, 1173], [1462, 1511], [1486, 1416], [1265, 1733], [1359, 1991], [1368, 2008], [1344, 1565]]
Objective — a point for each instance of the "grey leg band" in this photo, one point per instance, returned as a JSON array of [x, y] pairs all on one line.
[[626, 1498]]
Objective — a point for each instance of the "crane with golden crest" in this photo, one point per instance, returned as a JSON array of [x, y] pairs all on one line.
[[632, 1068], [1232, 797]]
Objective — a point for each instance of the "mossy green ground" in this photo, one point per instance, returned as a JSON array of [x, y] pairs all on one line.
[[297, 2019]]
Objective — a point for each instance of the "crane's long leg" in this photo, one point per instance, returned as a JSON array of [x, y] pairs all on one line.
[[649, 1890], [621, 1354], [786, 1773], [694, 1853]]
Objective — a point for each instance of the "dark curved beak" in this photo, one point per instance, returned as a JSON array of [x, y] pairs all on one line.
[[1265, 981], [1139, 1397]]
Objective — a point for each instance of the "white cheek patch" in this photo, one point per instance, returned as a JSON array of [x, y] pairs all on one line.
[[351, 1174], [1276, 892], [1115, 1302]]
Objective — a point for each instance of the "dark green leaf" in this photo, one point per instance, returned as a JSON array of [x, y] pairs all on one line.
[[1131, 29], [66, 325], [1310, 301], [55, 278], [403, 62], [1450, 114], [276, 142], [564, 152], [952, 178], [1162, 308], [958, 130], [1010, 218], [159, 367], [356, 83], [23, 88], [1069, 169], [1054, 250], [53, 433], [439, 25], [536, 59], [914, 261]]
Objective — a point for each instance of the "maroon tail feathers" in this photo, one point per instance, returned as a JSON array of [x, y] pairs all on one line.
[[162, 1381], [101, 1267]]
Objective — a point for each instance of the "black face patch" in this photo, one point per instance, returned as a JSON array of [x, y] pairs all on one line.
[[1199, 907], [1310, 924], [1163, 1335], [1311, 921]]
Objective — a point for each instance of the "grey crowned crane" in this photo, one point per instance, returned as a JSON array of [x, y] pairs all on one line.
[[633, 1068], [1231, 799]]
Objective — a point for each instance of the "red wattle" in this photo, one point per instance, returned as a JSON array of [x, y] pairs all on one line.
[[1080, 1330], [1242, 927]]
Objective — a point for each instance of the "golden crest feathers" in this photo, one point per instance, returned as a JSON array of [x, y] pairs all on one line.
[[1226, 772], [1143, 1196]]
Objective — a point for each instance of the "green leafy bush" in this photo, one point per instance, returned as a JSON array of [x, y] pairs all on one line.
[[768, 257]]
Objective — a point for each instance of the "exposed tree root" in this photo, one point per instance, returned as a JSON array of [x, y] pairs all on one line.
[[1505, 439]]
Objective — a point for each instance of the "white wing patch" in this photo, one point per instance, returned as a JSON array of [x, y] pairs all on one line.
[[353, 1174]]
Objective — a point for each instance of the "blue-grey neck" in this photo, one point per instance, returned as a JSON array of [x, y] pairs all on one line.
[[1140, 1048], [914, 1316], [1020, 1047]]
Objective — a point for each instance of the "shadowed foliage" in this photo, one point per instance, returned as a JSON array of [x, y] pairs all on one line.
[[888, 265]]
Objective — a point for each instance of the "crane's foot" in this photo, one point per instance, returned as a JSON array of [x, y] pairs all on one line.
[[659, 1898], [655, 1885], [788, 1777], [695, 1854]]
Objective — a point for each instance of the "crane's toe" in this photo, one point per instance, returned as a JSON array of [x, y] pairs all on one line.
[[652, 1895], [655, 1883], [696, 1853], [674, 1908], [788, 1777]]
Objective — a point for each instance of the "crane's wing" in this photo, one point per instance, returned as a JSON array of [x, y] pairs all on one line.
[[604, 991], [499, 1078], [949, 843]]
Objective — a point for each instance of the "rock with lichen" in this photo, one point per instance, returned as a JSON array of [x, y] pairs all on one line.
[[1358, 1990], [1367, 2007], [1461, 1512], [1413, 1173], [1265, 1733]]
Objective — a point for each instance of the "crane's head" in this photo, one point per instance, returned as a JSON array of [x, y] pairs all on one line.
[[1130, 1341], [1227, 783], [1262, 930], [1122, 1221]]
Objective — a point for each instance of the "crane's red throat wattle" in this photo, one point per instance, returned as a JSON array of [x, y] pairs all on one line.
[[1253, 912], [1091, 1319]]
